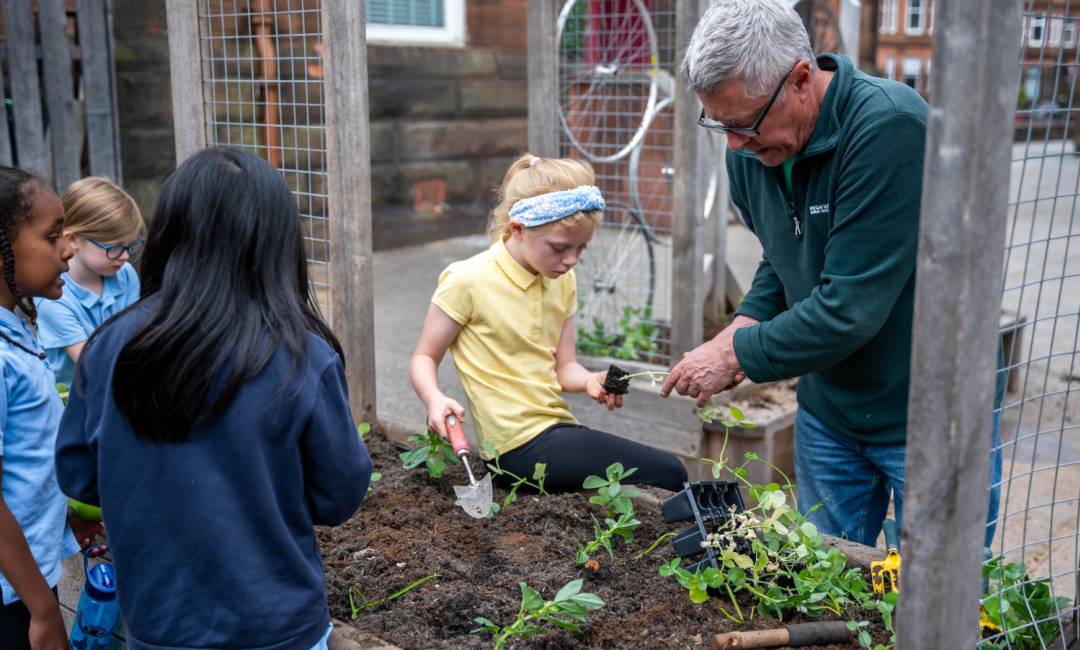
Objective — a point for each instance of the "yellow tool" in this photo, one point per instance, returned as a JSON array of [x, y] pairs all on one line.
[[887, 570]]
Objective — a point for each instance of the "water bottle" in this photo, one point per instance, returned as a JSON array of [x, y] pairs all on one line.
[[98, 610]]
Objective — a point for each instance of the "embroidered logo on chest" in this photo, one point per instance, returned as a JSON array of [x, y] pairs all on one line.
[[820, 208]]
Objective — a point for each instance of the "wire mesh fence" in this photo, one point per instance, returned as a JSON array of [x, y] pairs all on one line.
[[616, 77], [263, 88], [1038, 521]]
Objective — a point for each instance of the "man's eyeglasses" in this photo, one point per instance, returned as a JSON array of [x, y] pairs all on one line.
[[116, 251], [752, 130]]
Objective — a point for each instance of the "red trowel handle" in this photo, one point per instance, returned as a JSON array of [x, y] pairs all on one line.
[[457, 435]]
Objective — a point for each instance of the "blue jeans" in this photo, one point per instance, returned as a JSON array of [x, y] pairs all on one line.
[[853, 481]]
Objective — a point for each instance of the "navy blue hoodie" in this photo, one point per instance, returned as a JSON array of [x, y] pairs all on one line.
[[213, 538]]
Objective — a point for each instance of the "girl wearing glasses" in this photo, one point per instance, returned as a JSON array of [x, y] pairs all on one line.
[[107, 229]]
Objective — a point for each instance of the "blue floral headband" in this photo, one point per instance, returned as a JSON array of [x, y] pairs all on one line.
[[553, 206]]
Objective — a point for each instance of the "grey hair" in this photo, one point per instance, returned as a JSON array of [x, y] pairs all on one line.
[[757, 41]]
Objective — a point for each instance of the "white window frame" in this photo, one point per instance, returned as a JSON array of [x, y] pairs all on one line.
[[890, 68], [906, 71], [888, 16], [1069, 33], [908, 14], [1056, 27], [1036, 22], [453, 33]]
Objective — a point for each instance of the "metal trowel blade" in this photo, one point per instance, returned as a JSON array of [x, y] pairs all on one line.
[[475, 500]]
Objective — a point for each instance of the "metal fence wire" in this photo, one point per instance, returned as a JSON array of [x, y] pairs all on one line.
[[263, 88], [1037, 522]]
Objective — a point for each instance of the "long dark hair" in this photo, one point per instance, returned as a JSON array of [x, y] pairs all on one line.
[[17, 189], [224, 268]]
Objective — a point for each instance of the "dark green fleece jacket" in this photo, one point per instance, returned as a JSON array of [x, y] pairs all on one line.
[[835, 286]]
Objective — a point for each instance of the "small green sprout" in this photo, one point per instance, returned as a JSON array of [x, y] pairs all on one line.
[[537, 482], [604, 537], [610, 493], [568, 610]]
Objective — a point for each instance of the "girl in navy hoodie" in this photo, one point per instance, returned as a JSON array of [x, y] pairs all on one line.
[[211, 422]]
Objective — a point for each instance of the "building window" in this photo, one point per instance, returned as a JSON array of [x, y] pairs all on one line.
[[912, 72], [1069, 37], [888, 17], [890, 68], [1036, 31], [914, 21], [416, 22]]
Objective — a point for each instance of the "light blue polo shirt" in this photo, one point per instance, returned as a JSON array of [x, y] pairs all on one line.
[[77, 313], [30, 410]]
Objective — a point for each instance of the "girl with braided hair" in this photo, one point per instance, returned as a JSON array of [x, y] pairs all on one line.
[[34, 537], [106, 228]]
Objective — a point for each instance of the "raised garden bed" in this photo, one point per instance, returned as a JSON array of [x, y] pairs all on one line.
[[410, 528]]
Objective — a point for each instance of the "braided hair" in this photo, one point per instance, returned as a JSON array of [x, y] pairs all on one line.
[[17, 190]]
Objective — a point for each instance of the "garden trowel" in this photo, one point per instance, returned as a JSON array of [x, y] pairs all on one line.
[[475, 498], [885, 574]]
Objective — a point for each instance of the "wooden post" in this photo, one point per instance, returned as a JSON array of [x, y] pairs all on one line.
[[186, 77], [716, 163], [348, 167], [543, 79], [850, 19], [687, 245], [25, 90], [96, 48], [59, 94], [5, 136], [957, 307]]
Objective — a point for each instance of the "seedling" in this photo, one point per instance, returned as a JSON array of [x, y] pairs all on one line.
[[610, 493], [362, 429], [604, 538], [537, 482], [567, 610], [617, 380], [1018, 611], [366, 604], [431, 450], [63, 389]]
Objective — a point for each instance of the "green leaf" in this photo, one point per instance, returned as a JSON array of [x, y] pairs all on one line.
[[539, 471], [569, 590], [582, 556], [435, 466], [566, 625], [628, 473], [600, 501], [363, 429], [736, 414], [614, 471], [716, 470], [530, 598], [751, 455], [588, 600], [593, 482], [739, 472], [413, 457], [698, 595], [490, 451], [613, 489]]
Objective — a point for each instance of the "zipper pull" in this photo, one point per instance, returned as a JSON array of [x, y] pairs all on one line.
[[795, 219]]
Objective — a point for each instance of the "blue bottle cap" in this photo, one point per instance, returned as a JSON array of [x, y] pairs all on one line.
[[101, 582]]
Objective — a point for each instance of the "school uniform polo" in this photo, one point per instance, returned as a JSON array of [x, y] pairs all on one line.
[[30, 410], [78, 312], [505, 353]]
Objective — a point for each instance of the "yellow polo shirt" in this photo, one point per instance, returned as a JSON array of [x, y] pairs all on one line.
[[505, 352]]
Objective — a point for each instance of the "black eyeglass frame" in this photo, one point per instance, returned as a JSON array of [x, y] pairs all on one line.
[[752, 130]]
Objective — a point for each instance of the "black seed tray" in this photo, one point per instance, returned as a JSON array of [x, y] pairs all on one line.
[[708, 503]]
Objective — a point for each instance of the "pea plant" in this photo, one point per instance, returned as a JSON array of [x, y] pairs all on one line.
[[610, 492], [604, 537], [1018, 611], [362, 429], [431, 451], [517, 482], [568, 610]]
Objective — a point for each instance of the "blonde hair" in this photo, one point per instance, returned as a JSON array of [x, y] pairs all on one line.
[[95, 208], [531, 176]]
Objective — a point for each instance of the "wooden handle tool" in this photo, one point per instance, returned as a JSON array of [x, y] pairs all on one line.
[[797, 634]]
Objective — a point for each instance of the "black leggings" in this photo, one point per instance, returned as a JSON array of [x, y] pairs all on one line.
[[15, 626], [573, 452]]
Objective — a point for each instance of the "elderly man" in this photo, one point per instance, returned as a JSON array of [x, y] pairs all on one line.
[[825, 165]]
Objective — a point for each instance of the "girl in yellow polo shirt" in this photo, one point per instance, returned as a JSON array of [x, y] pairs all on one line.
[[507, 317]]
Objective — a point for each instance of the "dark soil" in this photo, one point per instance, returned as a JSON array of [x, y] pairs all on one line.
[[617, 381], [410, 528]]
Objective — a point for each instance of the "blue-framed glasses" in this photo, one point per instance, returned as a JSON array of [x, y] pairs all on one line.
[[116, 251]]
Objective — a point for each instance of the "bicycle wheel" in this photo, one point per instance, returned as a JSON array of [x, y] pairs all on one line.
[[618, 270], [608, 62]]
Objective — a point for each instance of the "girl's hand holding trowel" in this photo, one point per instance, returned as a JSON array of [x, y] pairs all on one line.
[[438, 409]]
